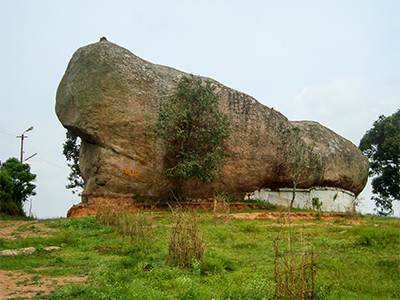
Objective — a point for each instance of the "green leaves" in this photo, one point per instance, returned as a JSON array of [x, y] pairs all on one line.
[[194, 130], [15, 186], [71, 153], [381, 144]]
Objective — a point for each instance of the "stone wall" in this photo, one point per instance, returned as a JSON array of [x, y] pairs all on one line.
[[333, 199]]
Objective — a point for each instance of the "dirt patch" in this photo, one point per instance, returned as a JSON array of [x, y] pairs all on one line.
[[14, 284], [20, 283], [85, 209], [283, 216], [10, 230], [356, 222], [106, 248]]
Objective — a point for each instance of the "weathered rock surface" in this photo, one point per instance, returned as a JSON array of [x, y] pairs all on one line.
[[51, 248], [111, 99], [29, 250]]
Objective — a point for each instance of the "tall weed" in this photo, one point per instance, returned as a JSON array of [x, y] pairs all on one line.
[[185, 242], [294, 274], [136, 225], [221, 208]]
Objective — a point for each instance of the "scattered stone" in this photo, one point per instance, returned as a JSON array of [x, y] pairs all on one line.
[[8, 253], [51, 248], [29, 250]]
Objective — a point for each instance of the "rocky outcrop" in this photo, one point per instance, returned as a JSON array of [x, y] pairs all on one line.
[[111, 99]]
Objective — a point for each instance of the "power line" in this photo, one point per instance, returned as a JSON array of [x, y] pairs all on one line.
[[7, 132], [52, 163], [12, 132]]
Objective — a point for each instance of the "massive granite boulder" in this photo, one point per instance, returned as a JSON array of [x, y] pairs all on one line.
[[111, 99]]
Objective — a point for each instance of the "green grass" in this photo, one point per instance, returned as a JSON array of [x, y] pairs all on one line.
[[352, 261], [4, 217]]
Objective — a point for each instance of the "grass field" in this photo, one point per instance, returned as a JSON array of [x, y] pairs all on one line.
[[352, 258]]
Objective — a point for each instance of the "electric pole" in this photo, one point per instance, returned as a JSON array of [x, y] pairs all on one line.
[[22, 137]]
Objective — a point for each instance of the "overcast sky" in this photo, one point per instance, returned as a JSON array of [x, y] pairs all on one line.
[[335, 62]]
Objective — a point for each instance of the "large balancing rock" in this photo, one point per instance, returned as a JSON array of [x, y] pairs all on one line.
[[111, 99]]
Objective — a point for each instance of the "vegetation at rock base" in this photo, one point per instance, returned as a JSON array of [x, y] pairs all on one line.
[[71, 152], [15, 186], [354, 259], [194, 130], [381, 144]]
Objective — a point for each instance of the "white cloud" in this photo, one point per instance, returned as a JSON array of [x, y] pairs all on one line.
[[347, 105]]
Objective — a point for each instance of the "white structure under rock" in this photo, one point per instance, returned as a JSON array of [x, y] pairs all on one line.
[[332, 199]]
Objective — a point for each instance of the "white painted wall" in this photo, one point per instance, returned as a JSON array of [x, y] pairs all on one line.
[[333, 199]]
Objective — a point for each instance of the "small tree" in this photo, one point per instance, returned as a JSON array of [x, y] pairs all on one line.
[[71, 152], [194, 130], [15, 186], [300, 157], [381, 144]]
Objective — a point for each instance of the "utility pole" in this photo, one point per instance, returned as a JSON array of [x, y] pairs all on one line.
[[22, 137]]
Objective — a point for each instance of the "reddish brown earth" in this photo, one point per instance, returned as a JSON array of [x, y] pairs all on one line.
[[10, 230], [85, 209], [80, 210], [25, 284]]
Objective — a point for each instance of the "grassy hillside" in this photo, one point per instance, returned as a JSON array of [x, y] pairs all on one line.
[[352, 258]]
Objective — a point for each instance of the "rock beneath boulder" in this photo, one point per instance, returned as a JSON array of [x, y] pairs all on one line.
[[111, 99]]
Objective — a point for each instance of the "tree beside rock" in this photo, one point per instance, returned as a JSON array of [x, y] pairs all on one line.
[[15, 186], [381, 144]]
